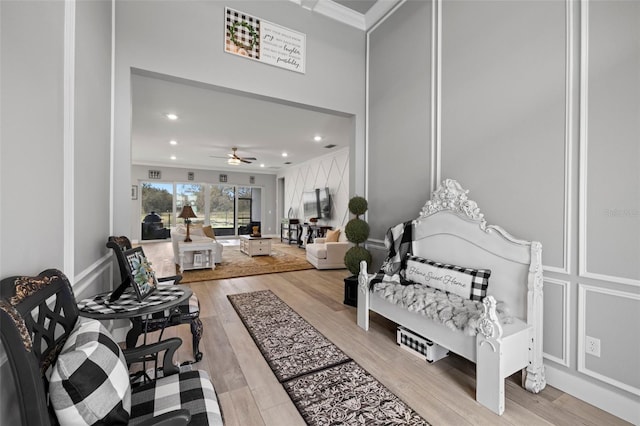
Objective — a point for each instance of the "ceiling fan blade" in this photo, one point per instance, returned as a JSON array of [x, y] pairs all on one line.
[[244, 160], [217, 156], [250, 158]]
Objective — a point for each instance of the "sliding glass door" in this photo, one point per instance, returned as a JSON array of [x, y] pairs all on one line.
[[156, 213], [222, 215], [230, 210]]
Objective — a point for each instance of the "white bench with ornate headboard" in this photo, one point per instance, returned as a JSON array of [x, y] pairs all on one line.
[[451, 230]]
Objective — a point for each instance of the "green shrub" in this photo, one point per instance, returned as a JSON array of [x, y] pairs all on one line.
[[357, 231], [353, 257], [358, 205]]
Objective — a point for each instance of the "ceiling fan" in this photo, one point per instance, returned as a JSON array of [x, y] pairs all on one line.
[[235, 159]]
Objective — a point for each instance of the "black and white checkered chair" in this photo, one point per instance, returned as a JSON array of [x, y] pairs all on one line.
[[69, 370], [186, 313]]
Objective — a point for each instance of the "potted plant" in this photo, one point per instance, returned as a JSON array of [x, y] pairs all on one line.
[[357, 232]]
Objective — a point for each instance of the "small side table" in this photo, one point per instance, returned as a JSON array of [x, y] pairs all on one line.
[[127, 306], [189, 256]]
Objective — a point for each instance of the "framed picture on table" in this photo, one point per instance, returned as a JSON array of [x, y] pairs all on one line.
[[141, 275]]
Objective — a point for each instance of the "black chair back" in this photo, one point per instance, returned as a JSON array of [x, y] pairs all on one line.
[[36, 316]]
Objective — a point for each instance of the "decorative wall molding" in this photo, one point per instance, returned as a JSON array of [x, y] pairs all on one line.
[[566, 322], [568, 140], [436, 91], [570, 99], [584, 156], [619, 405], [384, 16], [584, 94], [583, 289], [68, 157], [93, 275], [112, 130]]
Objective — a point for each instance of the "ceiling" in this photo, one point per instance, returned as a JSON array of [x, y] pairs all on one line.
[[213, 120]]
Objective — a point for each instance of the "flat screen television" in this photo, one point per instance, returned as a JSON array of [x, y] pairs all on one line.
[[317, 203], [310, 204], [324, 203]]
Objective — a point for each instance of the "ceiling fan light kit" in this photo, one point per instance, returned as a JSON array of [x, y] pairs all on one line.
[[234, 159]]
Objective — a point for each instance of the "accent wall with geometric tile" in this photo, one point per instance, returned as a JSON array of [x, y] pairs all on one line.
[[329, 171]]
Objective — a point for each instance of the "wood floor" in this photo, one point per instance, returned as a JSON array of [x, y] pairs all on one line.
[[443, 392]]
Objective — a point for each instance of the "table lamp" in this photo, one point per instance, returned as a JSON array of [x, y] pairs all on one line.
[[187, 213]]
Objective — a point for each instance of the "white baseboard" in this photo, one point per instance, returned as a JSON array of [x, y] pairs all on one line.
[[627, 408]]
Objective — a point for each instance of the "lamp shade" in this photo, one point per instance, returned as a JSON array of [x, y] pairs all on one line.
[[187, 213], [233, 161]]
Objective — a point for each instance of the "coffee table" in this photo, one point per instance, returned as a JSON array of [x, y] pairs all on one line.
[[196, 255], [255, 246]]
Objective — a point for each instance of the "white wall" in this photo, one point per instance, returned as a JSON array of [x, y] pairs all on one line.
[[185, 40], [542, 126], [33, 137], [329, 171], [55, 81]]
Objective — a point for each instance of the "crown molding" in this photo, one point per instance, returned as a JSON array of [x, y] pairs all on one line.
[[340, 13], [378, 11]]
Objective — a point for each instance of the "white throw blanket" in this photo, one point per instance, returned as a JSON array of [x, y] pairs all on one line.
[[449, 309]]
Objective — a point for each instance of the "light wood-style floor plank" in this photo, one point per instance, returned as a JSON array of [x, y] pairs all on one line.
[[442, 392]]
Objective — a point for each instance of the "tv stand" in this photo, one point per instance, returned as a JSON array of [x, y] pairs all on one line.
[[290, 232]]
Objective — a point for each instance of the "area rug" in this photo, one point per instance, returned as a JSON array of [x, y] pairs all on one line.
[[326, 386], [237, 264]]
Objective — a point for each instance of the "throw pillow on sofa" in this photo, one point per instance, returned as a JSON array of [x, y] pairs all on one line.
[[208, 231], [332, 236]]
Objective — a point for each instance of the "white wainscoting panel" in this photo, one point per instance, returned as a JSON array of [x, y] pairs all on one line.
[[613, 327], [564, 325]]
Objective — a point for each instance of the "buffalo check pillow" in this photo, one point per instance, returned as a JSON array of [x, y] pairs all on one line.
[[90, 381], [465, 282]]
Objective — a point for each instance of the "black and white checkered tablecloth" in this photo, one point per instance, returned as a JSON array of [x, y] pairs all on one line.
[[128, 301]]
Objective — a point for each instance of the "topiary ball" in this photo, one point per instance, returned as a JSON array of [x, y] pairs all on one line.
[[353, 256], [358, 205], [357, 230]]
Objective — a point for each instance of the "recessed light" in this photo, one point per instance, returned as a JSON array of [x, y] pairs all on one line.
[[262, 165], [317, 138], [284, 154], [173, 157], [171, 116], [173, 142]]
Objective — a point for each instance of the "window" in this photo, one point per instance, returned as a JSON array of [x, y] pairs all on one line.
[[192, 194], [244, 206], [222, 209], [157, 197]]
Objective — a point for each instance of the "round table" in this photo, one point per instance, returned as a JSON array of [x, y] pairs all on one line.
[[128, 306]]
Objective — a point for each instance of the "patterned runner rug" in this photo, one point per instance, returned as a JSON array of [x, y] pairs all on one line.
[[327, 387]]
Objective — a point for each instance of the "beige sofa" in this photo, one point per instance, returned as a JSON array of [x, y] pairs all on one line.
[[325, 255], [196, 233]]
